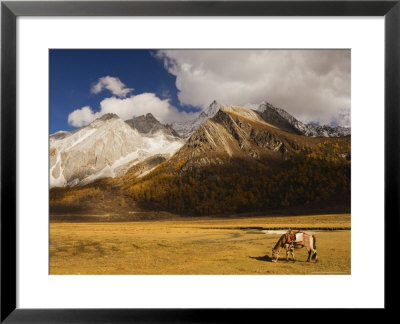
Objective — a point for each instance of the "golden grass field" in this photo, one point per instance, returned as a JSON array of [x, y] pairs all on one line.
[[195, 246]]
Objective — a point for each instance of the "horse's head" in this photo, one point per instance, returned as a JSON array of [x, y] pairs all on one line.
[[275, 255], [277, 248]]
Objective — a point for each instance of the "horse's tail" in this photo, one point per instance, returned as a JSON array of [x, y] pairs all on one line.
[[314, 256]]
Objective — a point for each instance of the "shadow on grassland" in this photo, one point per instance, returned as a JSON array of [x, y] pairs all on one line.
[[265, 258]]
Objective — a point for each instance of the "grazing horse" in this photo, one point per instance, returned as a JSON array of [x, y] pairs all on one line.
[[295, 240]]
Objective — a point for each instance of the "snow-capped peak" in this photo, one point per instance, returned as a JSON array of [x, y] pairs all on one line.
[[186, 129], [211, 110], [283, 119]]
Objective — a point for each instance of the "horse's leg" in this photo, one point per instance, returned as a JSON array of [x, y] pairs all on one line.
[[315, 255], [310, 249], [309, 255], [287, 253], [292, 252]]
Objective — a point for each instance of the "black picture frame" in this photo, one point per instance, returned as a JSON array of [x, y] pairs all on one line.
[[11, 10]]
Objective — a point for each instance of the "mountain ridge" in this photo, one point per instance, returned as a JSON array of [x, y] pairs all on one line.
[[237, 132], [271, 114], [187, 128], [86, 154], [149, 125], [281, 117]]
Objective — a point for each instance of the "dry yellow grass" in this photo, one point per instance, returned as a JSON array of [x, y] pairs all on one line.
[[194, 247]]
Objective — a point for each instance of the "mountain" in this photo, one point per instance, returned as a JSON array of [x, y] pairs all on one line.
[[327, 131], [240, 133], [108, 147], [187, 128], [272, 115], [149, 125], [283, 120], [236, 161], [60, 135]]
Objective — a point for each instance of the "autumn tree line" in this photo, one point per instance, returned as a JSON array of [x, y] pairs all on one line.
[[307, 176]]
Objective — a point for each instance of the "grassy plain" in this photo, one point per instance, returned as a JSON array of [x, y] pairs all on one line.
[[195, 246]]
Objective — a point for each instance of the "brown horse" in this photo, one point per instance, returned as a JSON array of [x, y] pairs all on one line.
[[295, 240]]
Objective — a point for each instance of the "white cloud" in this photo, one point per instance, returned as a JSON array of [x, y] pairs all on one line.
[[81, 117], [126, 108], [313, 85], [140, 105], [114, 85]]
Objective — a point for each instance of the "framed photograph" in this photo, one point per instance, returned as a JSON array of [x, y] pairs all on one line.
[[193, 160]]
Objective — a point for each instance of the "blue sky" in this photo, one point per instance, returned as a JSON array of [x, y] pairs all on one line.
[[312, 85], [74, 72]]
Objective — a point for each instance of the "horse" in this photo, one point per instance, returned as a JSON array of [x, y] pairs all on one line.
[[295, 240]]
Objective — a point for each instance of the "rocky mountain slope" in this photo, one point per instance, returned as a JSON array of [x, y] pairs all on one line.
[[187, 128], [272, 115], [283, 120], [149, 125], [107, 147], [241, 133]]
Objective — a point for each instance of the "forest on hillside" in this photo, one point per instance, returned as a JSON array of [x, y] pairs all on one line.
[[245, 186]]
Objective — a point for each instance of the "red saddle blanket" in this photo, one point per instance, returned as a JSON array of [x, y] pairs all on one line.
[[298, 237]]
